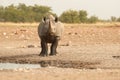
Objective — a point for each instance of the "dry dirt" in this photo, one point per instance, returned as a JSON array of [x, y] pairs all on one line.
[[86, 51]]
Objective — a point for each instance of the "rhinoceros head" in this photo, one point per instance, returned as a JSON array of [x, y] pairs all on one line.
[[50, 22]]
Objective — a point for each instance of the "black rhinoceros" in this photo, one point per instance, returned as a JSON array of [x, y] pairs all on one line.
[[50, 30]]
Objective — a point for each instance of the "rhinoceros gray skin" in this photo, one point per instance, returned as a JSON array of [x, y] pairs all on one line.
[[50, 31]]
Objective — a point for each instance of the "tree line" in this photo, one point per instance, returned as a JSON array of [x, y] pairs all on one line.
[[23, 13], [73, 16]]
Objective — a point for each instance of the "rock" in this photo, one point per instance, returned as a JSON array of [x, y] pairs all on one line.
[[15, 32], [31, 46], [22, 46], [4, 33], [69, 43], [69, 33], [23, 30], [76, 33]]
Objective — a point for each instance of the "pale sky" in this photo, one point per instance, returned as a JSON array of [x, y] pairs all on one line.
[[104, 9]]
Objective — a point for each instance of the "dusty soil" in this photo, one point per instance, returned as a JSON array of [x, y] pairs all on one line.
[[85, 51]]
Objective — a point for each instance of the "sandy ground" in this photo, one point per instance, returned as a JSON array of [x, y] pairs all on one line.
[[86, 51], [61, 74]]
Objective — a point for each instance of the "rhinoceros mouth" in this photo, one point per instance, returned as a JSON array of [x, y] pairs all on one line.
[[50, 34]]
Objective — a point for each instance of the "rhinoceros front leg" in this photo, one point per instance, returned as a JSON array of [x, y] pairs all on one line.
[[54, 47], [44, 46]]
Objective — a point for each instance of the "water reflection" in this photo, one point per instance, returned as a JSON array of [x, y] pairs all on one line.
[[15, 66]]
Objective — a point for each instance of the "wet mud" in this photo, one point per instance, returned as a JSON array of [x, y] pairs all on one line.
[[26, 59]]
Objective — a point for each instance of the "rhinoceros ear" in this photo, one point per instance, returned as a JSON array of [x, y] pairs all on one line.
[[44, 18], [56, 19]]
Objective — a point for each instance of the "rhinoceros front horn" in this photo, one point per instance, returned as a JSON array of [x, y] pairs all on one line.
[[52, 28]]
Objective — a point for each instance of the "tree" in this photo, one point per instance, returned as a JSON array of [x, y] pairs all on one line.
[[118, 19], [113, 18], [23, 13], [1, 13], [40, 11], [11, 13], [83, 16], [70, 16], [93, 19]]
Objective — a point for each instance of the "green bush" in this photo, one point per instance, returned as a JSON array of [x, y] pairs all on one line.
[[70, 16]]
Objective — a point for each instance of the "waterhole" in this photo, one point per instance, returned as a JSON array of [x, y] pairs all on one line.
[[16, 66]]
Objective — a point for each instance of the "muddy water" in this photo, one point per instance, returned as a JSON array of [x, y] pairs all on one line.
[[16, 66]]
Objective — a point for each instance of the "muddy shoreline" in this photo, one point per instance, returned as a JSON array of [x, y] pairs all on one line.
[[24, 59]]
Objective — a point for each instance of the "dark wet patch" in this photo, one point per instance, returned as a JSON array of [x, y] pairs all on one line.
[[35, 59], [68, 64], [116, 57]]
